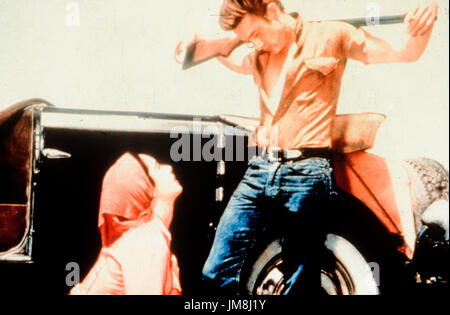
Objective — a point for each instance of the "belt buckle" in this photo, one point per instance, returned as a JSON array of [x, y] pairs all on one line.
[[292, 154], [276, 154]]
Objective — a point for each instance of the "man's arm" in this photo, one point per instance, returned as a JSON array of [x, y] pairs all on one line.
[[238, 61], [196, 50], [419, 21]]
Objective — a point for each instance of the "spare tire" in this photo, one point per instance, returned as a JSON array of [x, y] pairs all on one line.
[[344, 271]]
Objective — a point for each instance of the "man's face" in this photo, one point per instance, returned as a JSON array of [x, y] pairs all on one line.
[[264, 35]]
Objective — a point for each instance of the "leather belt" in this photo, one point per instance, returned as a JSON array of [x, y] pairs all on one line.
[[273, 154]]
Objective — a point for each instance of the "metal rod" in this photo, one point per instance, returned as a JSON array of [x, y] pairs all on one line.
[[370, 21], [60, 110]]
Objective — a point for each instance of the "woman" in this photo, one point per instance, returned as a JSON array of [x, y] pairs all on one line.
[[136, 209]]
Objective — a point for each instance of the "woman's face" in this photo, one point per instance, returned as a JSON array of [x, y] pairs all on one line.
[[166, 184]]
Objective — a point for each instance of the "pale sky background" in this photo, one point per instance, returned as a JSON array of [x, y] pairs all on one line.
[[119, 57]]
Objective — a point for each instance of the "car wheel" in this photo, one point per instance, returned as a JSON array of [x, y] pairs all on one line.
[[344, 271]]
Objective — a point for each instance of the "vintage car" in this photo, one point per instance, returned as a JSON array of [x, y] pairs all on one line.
[[52, 162]]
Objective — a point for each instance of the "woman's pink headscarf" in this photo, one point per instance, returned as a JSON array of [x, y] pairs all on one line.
[[126, 192]]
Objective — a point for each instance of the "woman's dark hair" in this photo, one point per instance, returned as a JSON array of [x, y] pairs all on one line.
[[144, 166]]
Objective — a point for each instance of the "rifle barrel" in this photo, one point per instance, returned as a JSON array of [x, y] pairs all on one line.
[[368, 21]]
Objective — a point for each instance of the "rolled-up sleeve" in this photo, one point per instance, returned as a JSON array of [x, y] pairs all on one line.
[[353, 42]]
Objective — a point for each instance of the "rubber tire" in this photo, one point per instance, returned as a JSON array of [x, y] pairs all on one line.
[[356, 267]]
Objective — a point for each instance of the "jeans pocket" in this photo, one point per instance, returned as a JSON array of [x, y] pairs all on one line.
[[309, 169]]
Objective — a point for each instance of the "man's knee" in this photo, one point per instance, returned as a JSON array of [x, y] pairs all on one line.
[[218, 282]]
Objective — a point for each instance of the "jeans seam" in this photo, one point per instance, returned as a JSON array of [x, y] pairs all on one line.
[[243, 261]]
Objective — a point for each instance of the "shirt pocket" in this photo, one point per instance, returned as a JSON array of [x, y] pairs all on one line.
[[324, 65]]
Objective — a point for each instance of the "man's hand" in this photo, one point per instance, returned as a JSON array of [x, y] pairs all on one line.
[[201, 50], [180, 50], [421, 18]]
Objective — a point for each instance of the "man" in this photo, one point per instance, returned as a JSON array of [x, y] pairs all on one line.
[[298, 67]]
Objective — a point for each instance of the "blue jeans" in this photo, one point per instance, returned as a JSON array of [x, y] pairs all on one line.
[[286, 196]]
